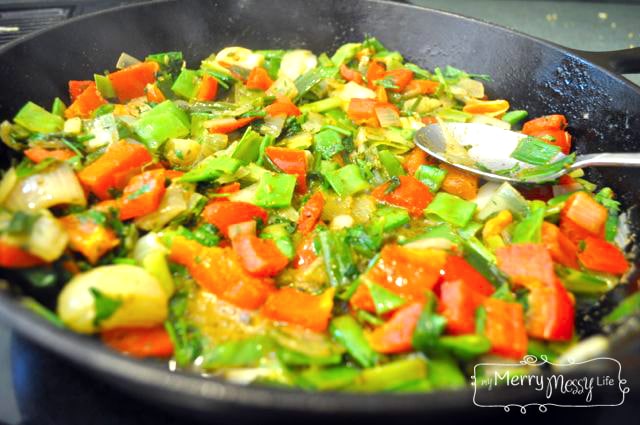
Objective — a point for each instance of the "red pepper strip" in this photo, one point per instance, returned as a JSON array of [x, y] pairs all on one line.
[[412, 194], [139, 342], [458, 304], [310, 213], [260, 257], [219, 271], [154, 94], [457, 268], [399, 77], [396, 335], [422, 86], [85, 103], [414, 159], [602, 256], [208, 88], [114, 168], [90, 239], [548, 122], [291, 161], [14, 257], [77, 87], [585, 212], [143, 194], [223, 214], [505, 328], [305, 252], [560, 247], [259, 79], [282, 106], [130, 82], [524, 262], [375, 72], [292, 306], [226, 126], [38, 154], [350, 74], [550, 314]]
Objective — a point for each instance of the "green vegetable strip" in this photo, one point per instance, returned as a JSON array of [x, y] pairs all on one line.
[[429, 327], [347, 180], [392, 218], [275, 190], [391, 375], [465, 346], [514, 117], [483, 260], [186, 85], [451, 209], [165, 121], [211, 168], [279, 234], [605, 197], [588, 283], [337, 257], [38, 120], [444, 373], [383, 299], [431, 176], [103, 84], [391, 163], [241, 353], [628, 307], [348, 332], [248, 149], [58, 107], [529, 230], [345, 53], [534, 151], [542, 173], [42, 311], [334, 378], [328, 143], [305, 82], [321, 105]]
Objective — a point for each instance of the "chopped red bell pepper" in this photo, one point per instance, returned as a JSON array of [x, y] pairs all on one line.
[[585, 212], [375, 72], [114, 168], [412, 194], [457, 268], [524, 262], [548, 122], [228, 125], [77, 87], [282, 106], [260, 257], [305, 252], [414, 159], [227, 188], [223, 214], [422, 86], [396, 335], [143, 194], [602, 256], [85, 103], [259, 79], [561, 248], [400, 78], [550, 314], [14, 257], [362, 109], [293, 306], [89, 238], [458, 304], [291, 161], [208, 88], [219, 270], [38, 154], [310, 213], [139, 342], [559, 138], [350, 74], [130, 82], [362, 300], [505, 328], [154, 94]]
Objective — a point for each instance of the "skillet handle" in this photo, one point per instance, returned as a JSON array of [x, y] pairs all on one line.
[[625, 61]]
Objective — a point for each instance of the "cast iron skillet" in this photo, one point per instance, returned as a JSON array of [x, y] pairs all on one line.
[[603, 109]]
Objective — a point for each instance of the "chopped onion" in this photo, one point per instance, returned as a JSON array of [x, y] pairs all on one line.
[[151, 255], [273, 125], [387, 116], [244, 228], [54, 186], [431, 243], [247, 194], [341, 221], [126, 60], [175, 201], [299, 141], [7, 183], [283, 86], [314, 122], [353, 90], [297, 62], [48, 238], [587, 349], [485, 193], [506, 197], [240, 56]]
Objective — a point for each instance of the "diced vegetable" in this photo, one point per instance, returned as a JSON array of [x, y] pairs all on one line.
[[505, 328], [600, 255], [130, 82], [451, 209], [139, 342], [142, 195], [396, 335], [293, 306], [347, 180], [348, 332], [406, 192], [89, 236], [165, 121], [37, 119], [275, 190], [260, 257], [223, 214]]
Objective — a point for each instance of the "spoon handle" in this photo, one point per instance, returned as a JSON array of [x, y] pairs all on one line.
[[607, 160]]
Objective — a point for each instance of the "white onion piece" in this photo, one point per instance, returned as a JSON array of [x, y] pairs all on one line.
[[248, 194], [151, 255], [297, 62], [485, 193], [387, 116], [341, 221], [174, 202], [240, 56], [244, 228], [54, 186], [48, 238], [126, 60], [353, 90], [430, 243], [7, 183], [314, 122], [273, 125]]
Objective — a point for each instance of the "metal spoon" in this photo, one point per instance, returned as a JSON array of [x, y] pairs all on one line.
[[467, 145]]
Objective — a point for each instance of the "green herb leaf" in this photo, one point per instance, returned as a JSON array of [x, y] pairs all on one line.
[[105, 306]]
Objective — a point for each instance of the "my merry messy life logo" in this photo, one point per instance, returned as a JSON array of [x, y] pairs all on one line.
[[559, 387]]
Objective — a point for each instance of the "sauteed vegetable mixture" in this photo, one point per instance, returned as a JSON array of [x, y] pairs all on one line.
[[267, 218]]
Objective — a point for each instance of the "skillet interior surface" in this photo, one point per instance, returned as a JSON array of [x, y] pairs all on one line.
[[603, 109]]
